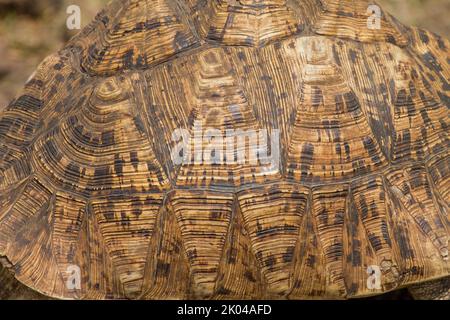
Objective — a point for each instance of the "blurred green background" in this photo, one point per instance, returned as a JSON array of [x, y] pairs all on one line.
[[32, 29]]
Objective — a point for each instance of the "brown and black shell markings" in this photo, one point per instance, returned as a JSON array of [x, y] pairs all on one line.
[[87, 178]]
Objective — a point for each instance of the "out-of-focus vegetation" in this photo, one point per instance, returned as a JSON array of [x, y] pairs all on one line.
[[29, 31], [32, 29]]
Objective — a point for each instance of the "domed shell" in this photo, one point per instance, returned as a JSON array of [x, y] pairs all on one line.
[[349, 180]]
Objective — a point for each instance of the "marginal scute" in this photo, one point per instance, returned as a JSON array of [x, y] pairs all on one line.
[[368, 212], [204, 220], [418, 258], [329, 204], [68, 216], [411, 187], [97, 270], [167, 270], [309, 279], [239, 276], [274, 231], [25, 238], [126, 225]]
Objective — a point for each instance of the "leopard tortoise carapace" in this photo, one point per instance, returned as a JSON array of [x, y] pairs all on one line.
[[354, 202]]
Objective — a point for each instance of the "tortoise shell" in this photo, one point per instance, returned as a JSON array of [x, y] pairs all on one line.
[[351, 184]]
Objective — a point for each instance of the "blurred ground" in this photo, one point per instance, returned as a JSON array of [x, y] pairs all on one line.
[[32, 29], [29, 31]]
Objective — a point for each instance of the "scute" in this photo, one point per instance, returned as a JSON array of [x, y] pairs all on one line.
[[42, 98], [219, 102], [274, 232], [204, 220], [351, 20], [101, 147], [133, 34], [88, 180], [126, 225]]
